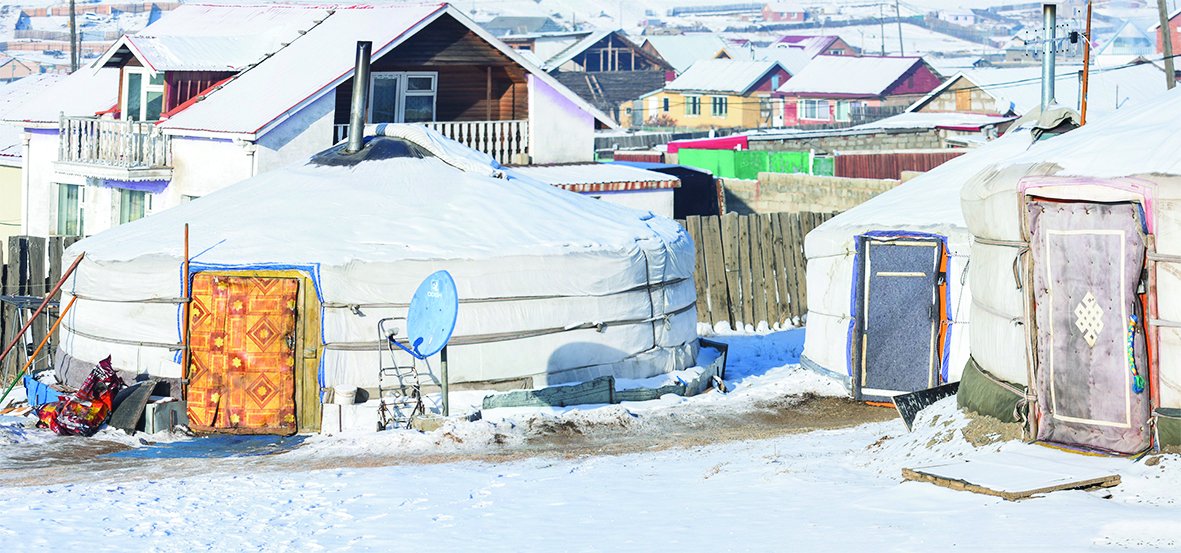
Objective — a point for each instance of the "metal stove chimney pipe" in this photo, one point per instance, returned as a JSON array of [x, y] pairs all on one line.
[[1049, 12], [360, 98]]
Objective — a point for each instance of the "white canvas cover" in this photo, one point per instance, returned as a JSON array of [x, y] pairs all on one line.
[[554, 286], [928, 204], [1126, 156]]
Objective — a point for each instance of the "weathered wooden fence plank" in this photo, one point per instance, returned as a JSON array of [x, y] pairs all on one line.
[[731, 250], [693, 226], [745, 273], [772, 289], [715, 272], [783, 292], [757, 265]]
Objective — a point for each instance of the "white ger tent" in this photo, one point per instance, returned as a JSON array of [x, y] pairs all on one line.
[[887, 288], [554, 287], [1076, 257]]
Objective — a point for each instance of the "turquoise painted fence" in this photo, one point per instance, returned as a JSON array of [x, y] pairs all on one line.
[[747, 164]]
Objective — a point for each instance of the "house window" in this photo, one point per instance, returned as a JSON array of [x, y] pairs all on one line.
[[133, 205], [843, 111], [816, 110], [692, 105], [666, 105], [143, 94], [397, 97], [719, 106], [774, 82], [69, 210]]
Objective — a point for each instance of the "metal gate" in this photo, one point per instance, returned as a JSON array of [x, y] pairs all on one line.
[[1088, 275], [898, 317]]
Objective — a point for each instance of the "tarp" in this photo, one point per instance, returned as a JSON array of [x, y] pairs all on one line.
[[554, 286], [745, 164]]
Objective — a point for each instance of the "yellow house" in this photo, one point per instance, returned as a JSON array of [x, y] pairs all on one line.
[[714, 93]]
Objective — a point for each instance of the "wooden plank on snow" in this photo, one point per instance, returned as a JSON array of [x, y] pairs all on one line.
[[599, 390], [1015, 475]]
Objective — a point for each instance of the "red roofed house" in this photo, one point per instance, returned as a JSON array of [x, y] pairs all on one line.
[[1174, 33], [213, 94], [844, 89]]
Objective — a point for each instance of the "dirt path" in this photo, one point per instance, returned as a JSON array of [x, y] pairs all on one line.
[[67, 460]]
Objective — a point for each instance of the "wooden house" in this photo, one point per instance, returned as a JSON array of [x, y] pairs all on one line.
[[835, 90], [213, 94]]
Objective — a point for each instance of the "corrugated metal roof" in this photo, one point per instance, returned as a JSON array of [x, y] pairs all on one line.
[[598, 177], [722, 76], [868, 75], [197, 37]]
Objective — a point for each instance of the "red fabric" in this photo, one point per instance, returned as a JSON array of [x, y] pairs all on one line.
[[88, 409], [727, 143]]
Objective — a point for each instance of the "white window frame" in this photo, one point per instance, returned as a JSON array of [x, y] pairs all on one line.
[[145, 87], [123, 218], [403, 78], [848, 111], [692, 101], [803, 112], [715, 101], [79, 209]]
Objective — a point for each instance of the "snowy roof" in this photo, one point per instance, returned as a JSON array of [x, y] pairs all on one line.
[[1020, 87], [447, 206], [82, 93], [811, 45], [598, 177], [1142, 139], [922, 120], [264, 95], [203, 37], [868, 75], [682, 51], [12, 95], [723, 75], [792, 59]]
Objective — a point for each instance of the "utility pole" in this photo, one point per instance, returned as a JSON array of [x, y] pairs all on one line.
[[882, 25], [1049, 25], [898, 18], [1166, 39], [73, 40], [1086, 69]]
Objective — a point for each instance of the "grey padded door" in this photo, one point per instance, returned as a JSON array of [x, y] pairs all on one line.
[[899, 318], [1088, 259]]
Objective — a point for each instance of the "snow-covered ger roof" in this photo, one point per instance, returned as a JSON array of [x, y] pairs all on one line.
[[866, 75], [723, 75]]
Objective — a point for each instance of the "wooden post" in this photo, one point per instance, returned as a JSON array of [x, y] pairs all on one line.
[[1166, 44], [715, 272], [445, 382], [693, 225], [745, 267], [758, 266], [186, 293], [730, 254], [1086, 69], [488, 94]]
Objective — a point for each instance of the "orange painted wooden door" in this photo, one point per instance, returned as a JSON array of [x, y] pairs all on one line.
[[242, 377]]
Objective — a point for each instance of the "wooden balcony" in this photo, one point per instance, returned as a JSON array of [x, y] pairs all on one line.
[[115, 149], [505, 141]]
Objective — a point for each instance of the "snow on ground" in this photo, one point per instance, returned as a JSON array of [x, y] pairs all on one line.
[[539, 481]]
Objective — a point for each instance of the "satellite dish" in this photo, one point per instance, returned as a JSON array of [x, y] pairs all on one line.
[[431, 318]]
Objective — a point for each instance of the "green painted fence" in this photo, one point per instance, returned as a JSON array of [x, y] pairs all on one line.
[[747, 164]]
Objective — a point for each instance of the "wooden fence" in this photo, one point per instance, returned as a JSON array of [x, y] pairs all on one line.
[[751, 268], [30, 267]]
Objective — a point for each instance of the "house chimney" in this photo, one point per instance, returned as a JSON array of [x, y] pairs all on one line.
[[360, 98], [1049, 12]]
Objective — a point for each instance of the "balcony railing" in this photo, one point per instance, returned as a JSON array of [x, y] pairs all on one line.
[[113, 143], [503, 140]]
